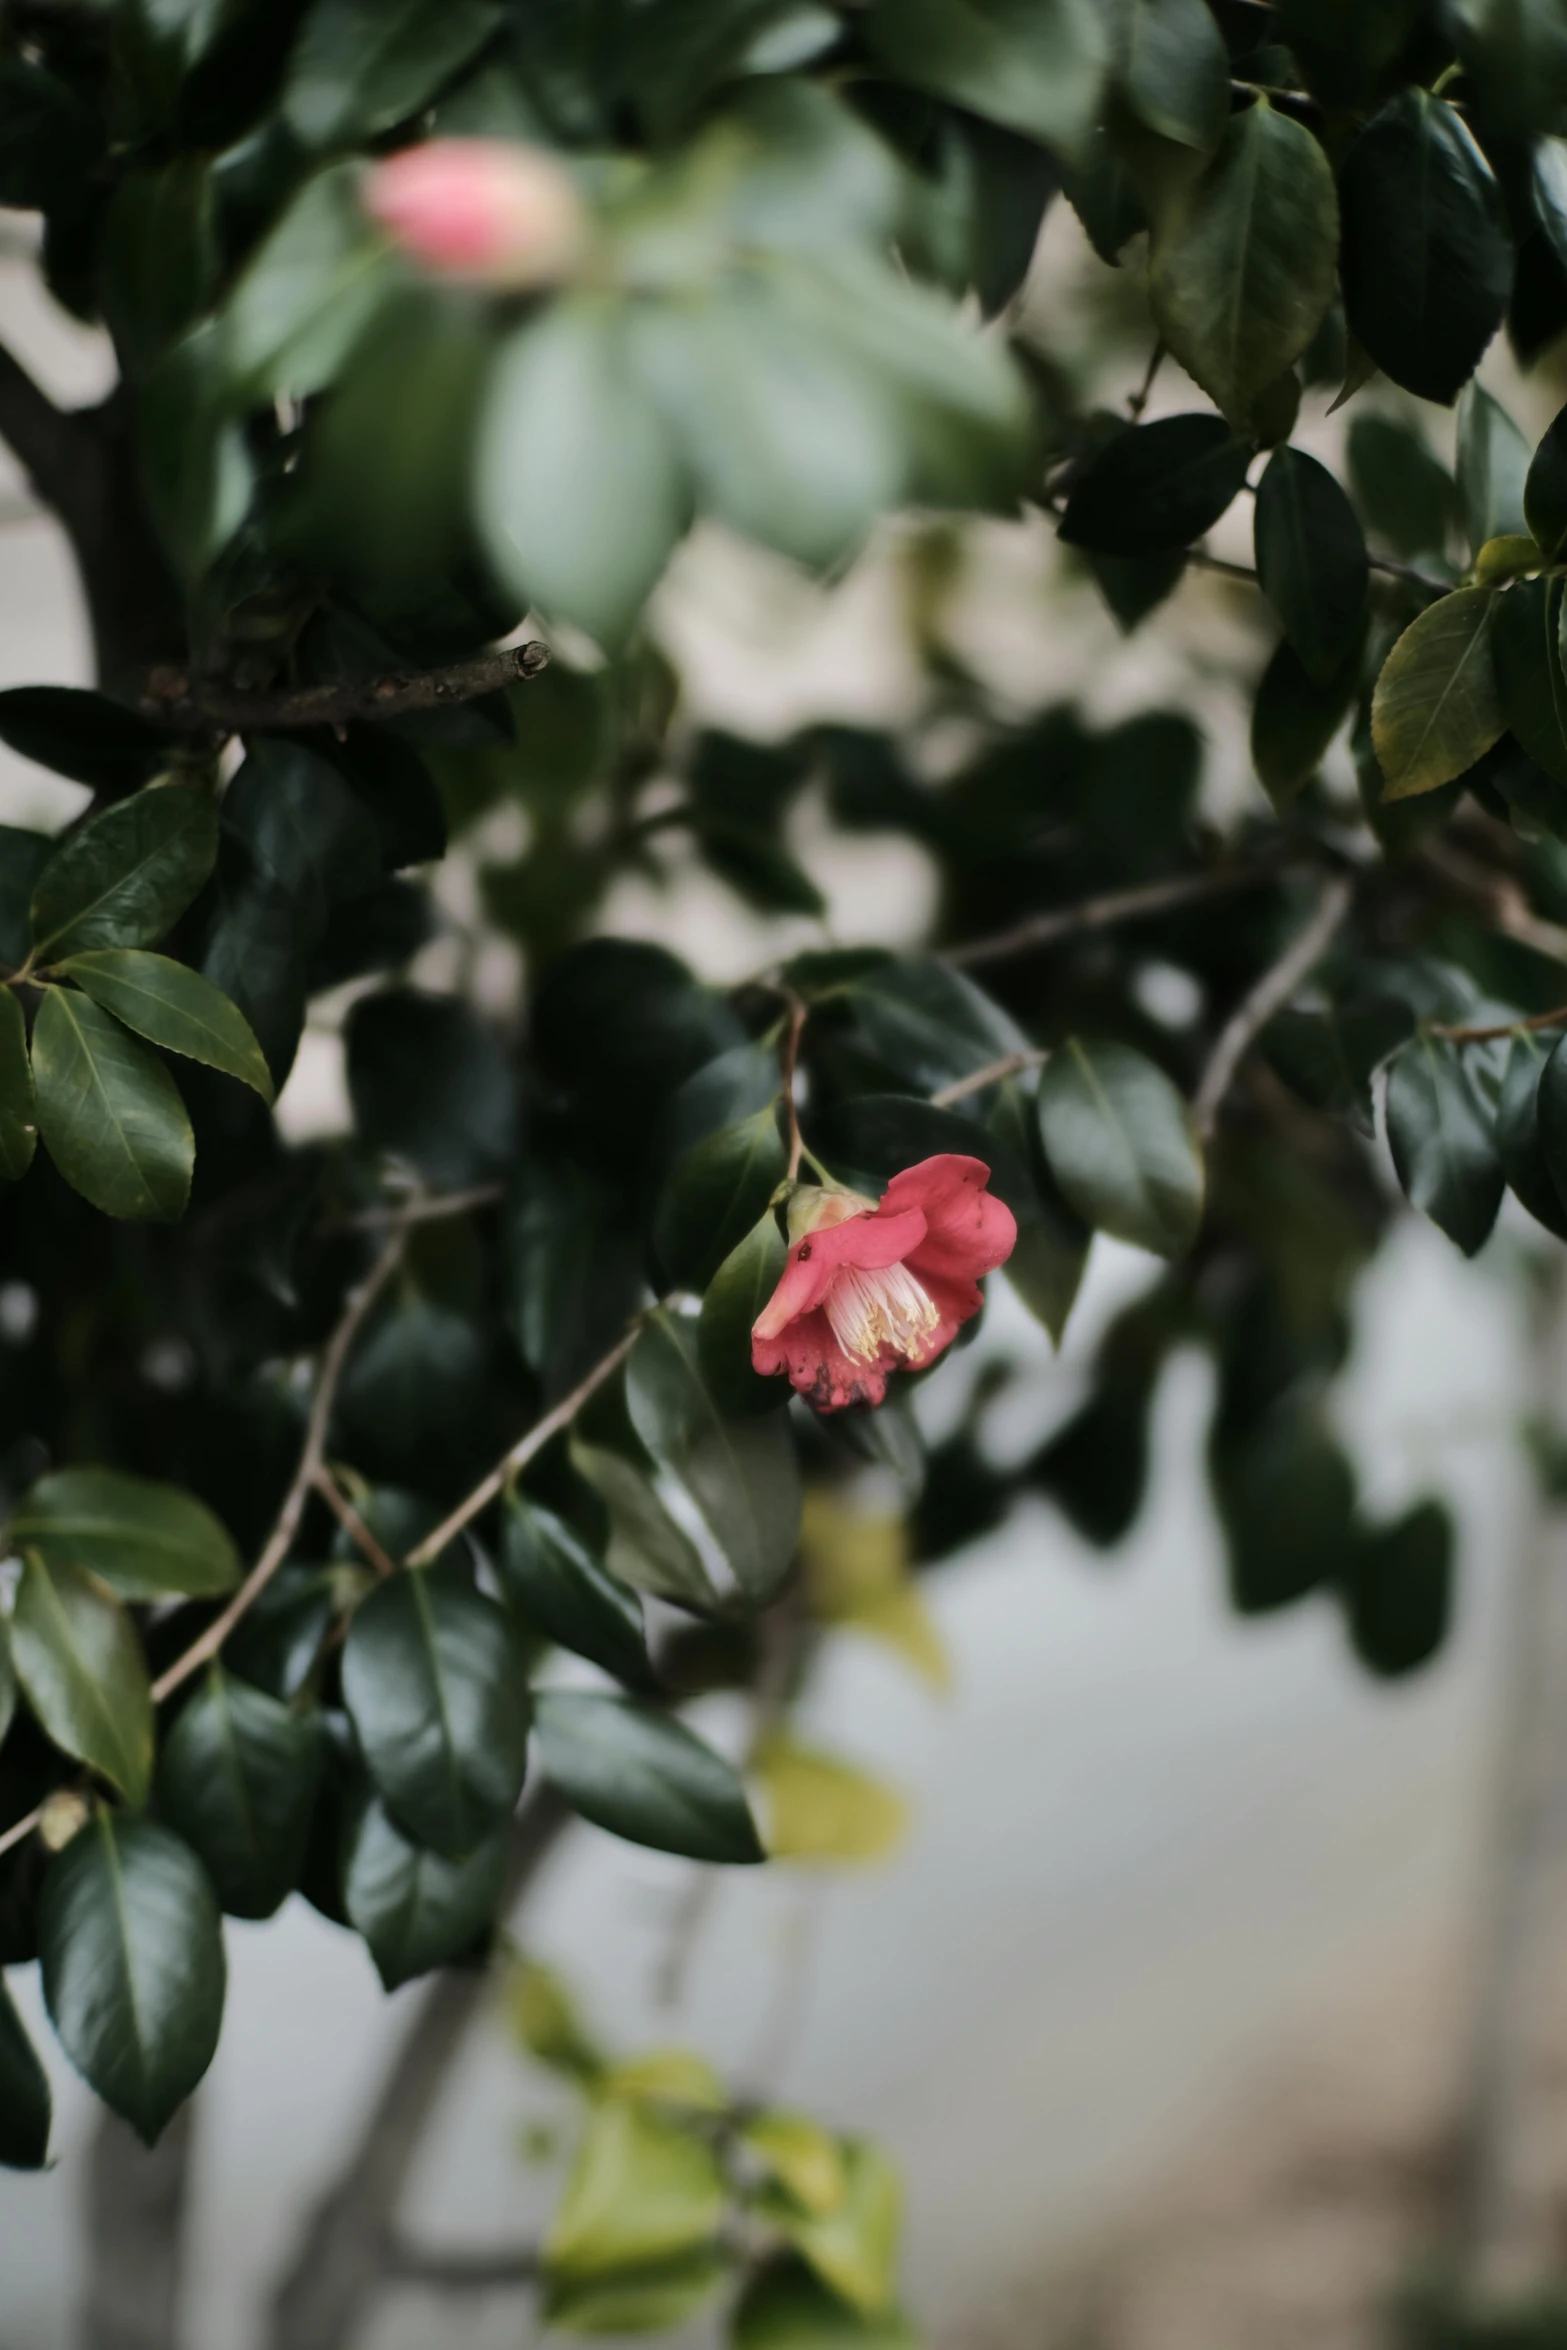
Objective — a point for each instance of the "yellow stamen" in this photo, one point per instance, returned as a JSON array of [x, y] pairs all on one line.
[[869, 1310]]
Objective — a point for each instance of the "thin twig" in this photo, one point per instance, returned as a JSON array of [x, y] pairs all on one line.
[[1010, 1065], [788, 1063], [353, 1525], [1125, 905], [1500, 896], [1556, 1019], [281, 1539], [1140, 398], [1272, 991], [423, 1211], [187, 706], [512, 1463], [19, 1830], [461, 2272]]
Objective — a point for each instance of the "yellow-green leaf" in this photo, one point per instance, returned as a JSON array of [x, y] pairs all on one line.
[[853, 2248], [545, 2019], [1435, 709], [801, 2156], [641, 2190], [821, 1809], [668, 2076]]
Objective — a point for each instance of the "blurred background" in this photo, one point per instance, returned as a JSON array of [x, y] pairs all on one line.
[[1166, 2002]]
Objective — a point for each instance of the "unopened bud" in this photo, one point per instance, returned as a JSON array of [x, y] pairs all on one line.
[[65, 1814], [489, 210]]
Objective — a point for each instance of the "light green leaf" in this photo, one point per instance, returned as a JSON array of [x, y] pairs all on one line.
[[1120, 1144], [175, 1007], [18, 1109], [1243, 263], [146, 1541], [819, 1808], [1435, 709], [126, 877], [786, 2307], [653, 2298], [81, 1668], [803, 2157], [110, 1112], [854, 2247], [641, 2190]]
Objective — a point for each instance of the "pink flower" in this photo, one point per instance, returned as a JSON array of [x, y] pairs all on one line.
[[873, 1288], [484, 209]]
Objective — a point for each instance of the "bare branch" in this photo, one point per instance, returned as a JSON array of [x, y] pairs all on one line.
[[186, 706], [423, 1211], [1126, 905], [1501, 1028], [1499, 896], [461, 2272], [19, 1830], [1272, 991], [47, 441], [1009, 1065], [353, 1525]]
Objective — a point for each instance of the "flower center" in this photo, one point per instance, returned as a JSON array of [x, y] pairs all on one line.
[[867, 1311]]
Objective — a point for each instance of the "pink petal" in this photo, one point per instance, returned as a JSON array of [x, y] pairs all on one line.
[[817, 1366], [870, 1241]]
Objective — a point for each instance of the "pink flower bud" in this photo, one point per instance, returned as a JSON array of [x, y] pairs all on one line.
[[483, 209]]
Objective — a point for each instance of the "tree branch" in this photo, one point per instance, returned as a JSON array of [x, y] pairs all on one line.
[[173, 700], [1499, 896], [1125, 905], [406, 2263], [1272, 991], [352, 1523], [47, 441], [1009, 1065], [1500, 1028]]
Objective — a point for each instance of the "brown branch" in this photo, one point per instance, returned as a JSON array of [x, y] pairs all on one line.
[[353, 1525], [1492, 1035], [186, 706], [1271, 993], [1126, 905], [513, 1462], [1009, 1065]]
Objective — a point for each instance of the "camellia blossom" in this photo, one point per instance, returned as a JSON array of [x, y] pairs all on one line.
[[490, 210], [871, 1287]]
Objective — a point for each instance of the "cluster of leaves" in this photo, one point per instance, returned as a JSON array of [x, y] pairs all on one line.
[[677, 2188]]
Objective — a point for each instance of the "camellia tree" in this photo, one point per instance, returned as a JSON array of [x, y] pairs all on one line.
[[431, 317]]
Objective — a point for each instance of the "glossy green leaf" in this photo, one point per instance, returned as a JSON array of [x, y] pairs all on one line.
[[1493, 460], [308, 291], [1441, 1131], [147, 1541], [1435, 710], [1295, 718], [86, 736], [1406, 496], [742, 1473], [734, 1297], [174, 1007], [434, 1686], [415, 1909], [786, 2307], [1050, 1254], [133, 1966], [23, 855], [110, 1112], [1328, 1058], [433, 1085], [128, 875], [715, 1196], [1545, 489], [1551, 1114], [1172, 69], [26, 2107], [237, 1779], [1156, 487], [361, 66], [650, 2298], [1531, 687], [18, 1109], [854, 2247], [1243, 263], [1121, 1146], [646, 1549], [1520, 1136], [642, 2189], [580, 496], [1427, 263], [926, 1024], [1035, 66], [81, 1668], [1311, 560], [1398, 1591], [643, 1776], [569, 1594], [1347, 49]]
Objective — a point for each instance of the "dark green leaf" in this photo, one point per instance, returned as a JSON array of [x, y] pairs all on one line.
[[133, 1966], [617, 1026], [256, 956], [927, 1024], [81, 1669], [237, 1779], [432, 1085], [276, 1646], [1094, 1467], [361, 66], [18, 1110], [1135, 585], [7, 1683], [786, 2307], [1173, 70], [1493, 460], [50, 135], [646, 1548], [1435, 710], [1328, 1058], [742, 1474], [1406, 496], [580, 497], [735, 1296], [1243, 263], [434, 1686], [173, 1007], [716, 1194], [1551, 1116], [308, 291], [126, 877], [1347, 48], [1398, 1590], [26, 2107], [568, 1593], [82, 735], [109, 1112], [146, 1541], [644, 1777], [1295, 718], [301, 826], [1120, 1144], [1441, 1133], [1545, 489], [1156, 487], [1311, 560], [1531, 688], [1286, 1497], [23, 855], [1035, 66], [415, 1909], [1427, 264], [576, 1267], [1051, 1251]]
